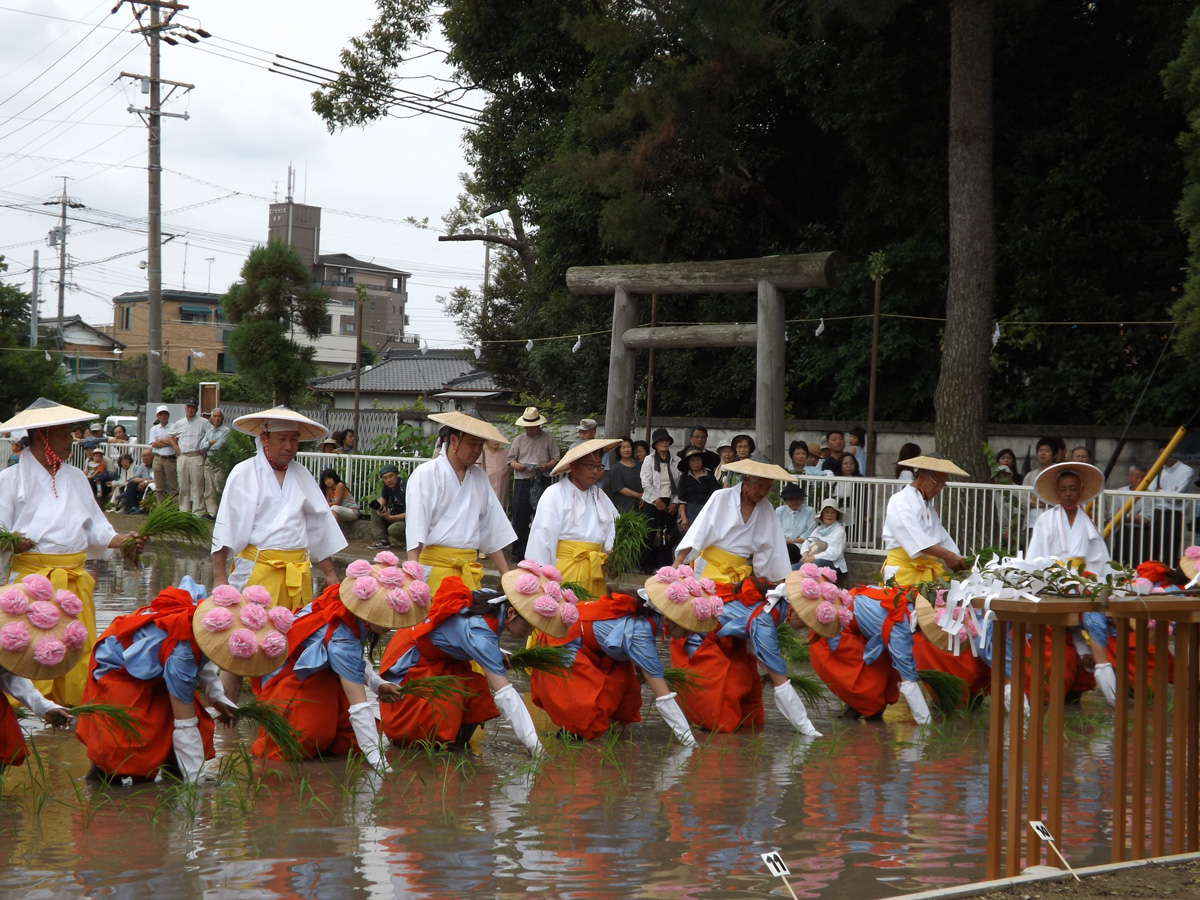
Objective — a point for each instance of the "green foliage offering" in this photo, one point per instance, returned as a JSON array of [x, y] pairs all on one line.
[[168, 523], [791, 647], [582, 594], [117, 720], [236, 448], [9, 540], [275, 725], [682, 681], [948, 691], [632, 539], [810, 688], [541, 658], [430, 688]]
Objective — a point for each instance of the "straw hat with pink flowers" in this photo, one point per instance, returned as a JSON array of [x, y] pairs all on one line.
[[387, 593], [42, 636], [241, 632], [536, 593], [817, 600], [686, 600]]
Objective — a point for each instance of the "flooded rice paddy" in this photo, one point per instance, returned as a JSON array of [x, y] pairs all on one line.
[[871, 810]]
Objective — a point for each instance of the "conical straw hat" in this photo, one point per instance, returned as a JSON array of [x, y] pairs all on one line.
[[246, 622], [933, 463], [1091, 480], [759, 468], [681, 608], [41, 634], [581, 450], [927, 616], [43, 413], [528, 583], [280, 418], [460, 421], [396, 595], [806, 607]]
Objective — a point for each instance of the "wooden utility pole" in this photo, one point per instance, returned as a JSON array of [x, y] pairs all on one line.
[[878, 268], [360, 297]]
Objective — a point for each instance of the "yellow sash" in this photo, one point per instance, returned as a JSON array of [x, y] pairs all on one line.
[[66, 572], [583, 562], [446, 561], [727, 568], [910, 571], [286, 574]]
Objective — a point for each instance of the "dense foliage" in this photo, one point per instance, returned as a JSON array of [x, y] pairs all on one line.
[[718, 129]]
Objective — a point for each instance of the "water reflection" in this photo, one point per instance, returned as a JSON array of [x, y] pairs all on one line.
[[873, 810]]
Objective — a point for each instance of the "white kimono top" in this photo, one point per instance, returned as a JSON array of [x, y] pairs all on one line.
[[912, 524], [445, 513], [565, 513], [720, 525], [1055, 538], [68, 523]]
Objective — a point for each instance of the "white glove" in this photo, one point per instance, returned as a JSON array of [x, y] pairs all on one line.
[[1008, 699], [210, 681], [189, 750], [362, 720], [512, 707], [673, 716], [24, 691], [792, 707], [915, 697], [1106, 680]]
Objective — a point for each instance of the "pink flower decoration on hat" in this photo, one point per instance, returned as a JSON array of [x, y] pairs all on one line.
[[702, 608], [358, 569], [693, 587], [43, 614], [386, 558], [365, 587], [1143, 582], [552, 589], [14, 636], [847, 598], [709, 586], [14, 602], [273, 644], [568, 613], [676, 592], [825, 612], [39, 586], [225, 595], [810, 570], [568, 595], [845, 616], [1192, 552], [398, 600], [49, 651], [413, 569], [552, 573], [527, 583], [419, 591], [68, 603], [282, 618], [827, 573], [258, 595], [218, 619], [717, 605], [685, 571], [810, 588], [545, 606], [253, 616], [75, 635], [1158, 590], [529, 566], [829, 592], [243, 644], [390, 576], [665, 575]]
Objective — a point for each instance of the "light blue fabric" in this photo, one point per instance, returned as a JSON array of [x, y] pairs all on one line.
[[630, 638], [1099, 628], [871, 615], [761, 633], [181, 672], [343, 654], [797, 524], [459, 637], [198, 591]]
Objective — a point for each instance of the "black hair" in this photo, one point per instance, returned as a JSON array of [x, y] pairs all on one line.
[[329, 473], [699, 428]]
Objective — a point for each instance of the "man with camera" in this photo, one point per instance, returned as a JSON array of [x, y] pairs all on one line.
[[387, 513]]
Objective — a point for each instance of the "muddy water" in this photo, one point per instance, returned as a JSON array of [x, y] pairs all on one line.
[[872, 810]]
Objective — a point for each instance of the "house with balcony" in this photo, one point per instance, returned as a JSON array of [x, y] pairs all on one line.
[[89, 355]]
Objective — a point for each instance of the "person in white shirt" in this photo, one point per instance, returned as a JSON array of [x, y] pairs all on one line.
[[1171, 514], [187, 436], [166, 480]]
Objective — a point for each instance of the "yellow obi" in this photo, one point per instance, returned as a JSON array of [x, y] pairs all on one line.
[[583, 562], [286, 574], [66, 572], [447, 561], [910, 571], [727, 568]]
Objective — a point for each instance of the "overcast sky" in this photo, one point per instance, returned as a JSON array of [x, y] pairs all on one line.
[[63, 113]]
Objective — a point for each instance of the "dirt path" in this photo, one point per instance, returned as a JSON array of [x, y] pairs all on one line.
[[1177, 882]]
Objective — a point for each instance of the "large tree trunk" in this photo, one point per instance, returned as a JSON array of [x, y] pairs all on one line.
[[961, 401]]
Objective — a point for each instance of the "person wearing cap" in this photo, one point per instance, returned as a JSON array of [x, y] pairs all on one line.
[[387, 512], [166, 479], [214, 478], [452, 512], [148, 661], [50, 505], [187, 436], [463, 628], [531, 456], [826, 541], [735, 526], [273, 518], [795, 518], [660, 494], [696, 484], [574, 526]]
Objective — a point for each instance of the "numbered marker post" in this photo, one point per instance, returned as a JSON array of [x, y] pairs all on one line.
[[1043, 832], [776, 866]]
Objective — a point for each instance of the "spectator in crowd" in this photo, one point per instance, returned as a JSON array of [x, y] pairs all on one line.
[[857, 439], [1081, 454], [347, 440], [78, 432], [1174, 478], [743, 446], [906, 473], [660, 497], [122, 472], [696, 484], [625, 478], [835, 442], [1009, 508], [214, 477], [814, 456], [725, 451], [640, 451], [1129, 536], [163, 445], [495, 463], [98, 475], [388, 511], [329, 445], [826, 544], [1005, 457], [119, 435], [141, 479], [797, 457], [698, 438], [531, 456], [338, 496], [587, 432], [187, 435], [796, 518], [1050, 450], [849, 494]]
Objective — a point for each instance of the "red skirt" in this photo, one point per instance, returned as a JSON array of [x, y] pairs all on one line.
[[1150, 654], [867, 689], [316, 707], [413, 719], [974, 671], [115, 752], [12, 742], [728, 693], [597, 690]]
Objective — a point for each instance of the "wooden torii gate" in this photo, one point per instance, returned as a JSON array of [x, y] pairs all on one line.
[[768, 275]]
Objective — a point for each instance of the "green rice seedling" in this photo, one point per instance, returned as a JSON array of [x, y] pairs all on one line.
[[307, 796], [39, 779], [430, 688], [946, 690], [172, 525], [582, 594], [682, 681], [791, 647], [266, 715], [631, 540], [117, 720], [541, 658], [810, 688]]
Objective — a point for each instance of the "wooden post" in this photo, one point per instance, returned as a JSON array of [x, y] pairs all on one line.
[[1016, 734], [874, 376], [1179, 755], [1141, 703], [618, 412], [995, 826], [650, 372], [1158, 783], [1037, 721], [771, 387], [1058, 661], [1121, 741]]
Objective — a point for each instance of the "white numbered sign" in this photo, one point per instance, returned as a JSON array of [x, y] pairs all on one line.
[[1042, 831], [775, 864]]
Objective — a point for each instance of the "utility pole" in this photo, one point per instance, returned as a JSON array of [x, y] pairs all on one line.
[[160, 28], [33, 303], [58, 237]]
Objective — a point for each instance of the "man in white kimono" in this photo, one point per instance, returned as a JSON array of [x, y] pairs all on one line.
[[453, 513], [919, 548]]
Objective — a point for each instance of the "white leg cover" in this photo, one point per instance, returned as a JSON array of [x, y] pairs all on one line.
[[1008, 699], [915, 698], [673, 716], [1106, 680], [512, 707], [362, 720], [792, 707], [189, 749]]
